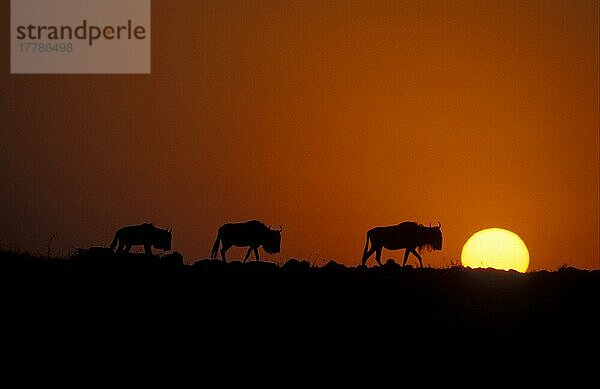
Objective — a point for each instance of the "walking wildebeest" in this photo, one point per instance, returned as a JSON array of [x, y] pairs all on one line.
[[251, 234], [408, 235], [143, 234]]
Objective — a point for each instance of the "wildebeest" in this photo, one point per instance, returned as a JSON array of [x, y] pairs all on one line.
[[408, 235], [144, 234], [251, 234]]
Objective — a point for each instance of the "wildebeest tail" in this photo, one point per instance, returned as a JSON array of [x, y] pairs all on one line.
[[366, 247], [114, 242], [215, 248]]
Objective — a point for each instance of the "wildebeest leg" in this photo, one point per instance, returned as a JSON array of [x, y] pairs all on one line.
[[418, 256], [378, 256], [224, 249], [247, 254], [148, 249], [120, 247], [367, 254], [256, 253], [406, 254]]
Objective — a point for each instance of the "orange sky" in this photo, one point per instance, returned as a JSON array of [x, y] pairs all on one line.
[[326, 117]]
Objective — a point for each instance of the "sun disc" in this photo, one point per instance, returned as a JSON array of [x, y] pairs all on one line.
[[496, 248]]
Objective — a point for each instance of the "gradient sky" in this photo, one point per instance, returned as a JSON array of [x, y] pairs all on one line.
[[328, 118]]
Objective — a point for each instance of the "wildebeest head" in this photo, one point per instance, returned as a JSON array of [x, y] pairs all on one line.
[[272, 241], [436, 237], [163, 239], [431, 237]]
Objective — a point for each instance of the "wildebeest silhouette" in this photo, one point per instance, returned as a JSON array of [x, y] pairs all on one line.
[[145, 234], [407, 235], [251, 234]]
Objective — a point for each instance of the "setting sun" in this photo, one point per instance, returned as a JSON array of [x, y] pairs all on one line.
[[496, 248]]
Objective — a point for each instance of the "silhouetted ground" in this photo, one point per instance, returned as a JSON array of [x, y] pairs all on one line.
[[132, 320]]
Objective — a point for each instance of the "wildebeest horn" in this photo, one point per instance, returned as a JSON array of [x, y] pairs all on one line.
[[280, 228], [439, 224], [170, 229]]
